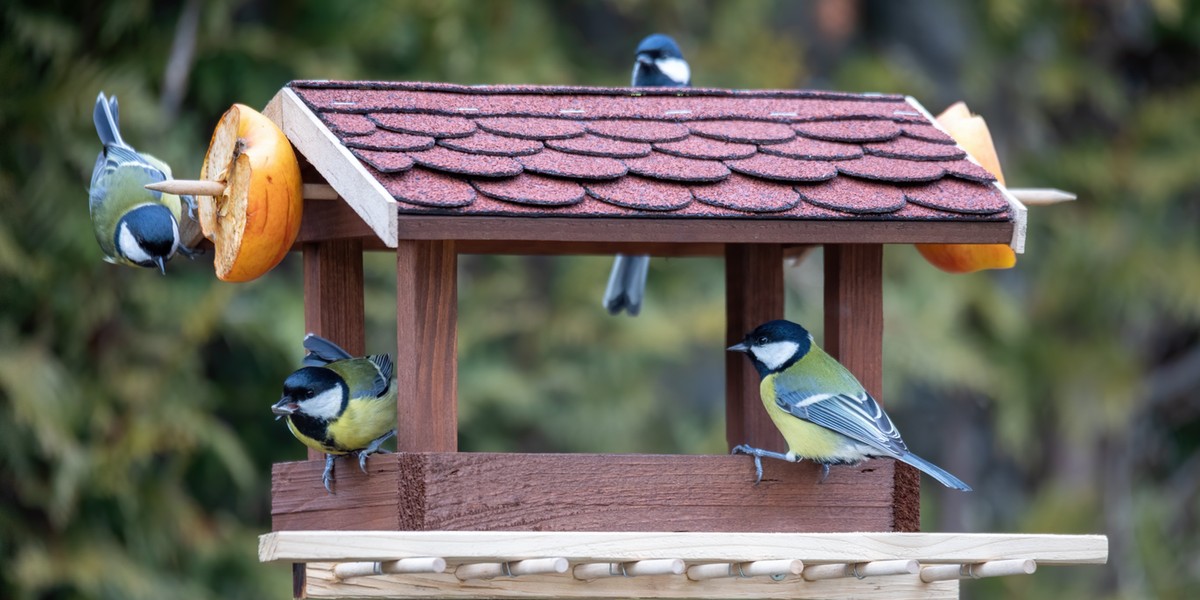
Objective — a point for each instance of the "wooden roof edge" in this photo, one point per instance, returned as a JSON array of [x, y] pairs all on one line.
[[1016, 209], [344, 173], [468, 546]]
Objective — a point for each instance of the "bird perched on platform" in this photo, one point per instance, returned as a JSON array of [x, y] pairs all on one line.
[[338, 404], [822, 411], [659, 63], [133, 225]]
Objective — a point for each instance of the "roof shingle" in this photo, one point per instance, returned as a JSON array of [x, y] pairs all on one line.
[[572, 151]]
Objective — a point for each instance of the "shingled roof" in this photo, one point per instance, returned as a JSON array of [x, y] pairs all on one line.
[[529, 151]]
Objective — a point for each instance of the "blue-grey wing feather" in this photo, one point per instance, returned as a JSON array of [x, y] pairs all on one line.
[[322, 351], [857, 417], [384, 380]]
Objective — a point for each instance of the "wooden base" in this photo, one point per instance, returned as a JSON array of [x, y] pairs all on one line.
[[322, 584], [582, 492]]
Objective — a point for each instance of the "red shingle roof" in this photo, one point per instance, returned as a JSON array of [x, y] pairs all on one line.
[[613, 152]]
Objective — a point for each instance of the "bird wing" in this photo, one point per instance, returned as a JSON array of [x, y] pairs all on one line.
[[322, 351], [368, 377], [383, 380], [832, 398]]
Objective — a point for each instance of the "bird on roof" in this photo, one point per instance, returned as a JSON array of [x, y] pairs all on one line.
[[133, 225], [822, 411], [338, 404], [659, 63]]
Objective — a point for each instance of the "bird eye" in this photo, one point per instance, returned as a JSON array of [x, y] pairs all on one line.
[[308, 393], [762, 340]]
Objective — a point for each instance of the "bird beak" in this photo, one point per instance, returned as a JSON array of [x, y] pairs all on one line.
[[284, 407], [162, 264], [739, 347]]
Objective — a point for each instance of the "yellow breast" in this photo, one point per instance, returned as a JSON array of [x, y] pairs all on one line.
[[804, 439]]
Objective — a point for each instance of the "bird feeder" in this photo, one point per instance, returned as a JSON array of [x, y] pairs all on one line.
[[430, 171]]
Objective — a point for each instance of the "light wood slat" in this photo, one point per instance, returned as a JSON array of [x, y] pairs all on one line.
[[473, 546], [322, 584]]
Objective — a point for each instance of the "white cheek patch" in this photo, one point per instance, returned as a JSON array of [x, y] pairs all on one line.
[[773, 355], [675, 68], [174, 238], [128, 246], [325, 406]]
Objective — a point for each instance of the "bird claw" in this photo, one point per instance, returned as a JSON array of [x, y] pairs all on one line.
[[190, 201], [759, 454], [824, 473], [191, 253], [327, 476], [372, 448]]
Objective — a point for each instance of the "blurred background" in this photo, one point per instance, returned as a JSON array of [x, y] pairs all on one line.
[[135, 437]]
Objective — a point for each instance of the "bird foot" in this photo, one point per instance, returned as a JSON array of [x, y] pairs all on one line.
[[759, 454], [327, 476], [372, 448], [191, 253], [824, 473], [190, 201]]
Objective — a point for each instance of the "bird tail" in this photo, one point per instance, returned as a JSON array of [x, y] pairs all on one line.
[[934, 471], [626, 284], [322, 351], [105, 117]]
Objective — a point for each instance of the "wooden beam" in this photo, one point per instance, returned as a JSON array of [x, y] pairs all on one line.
[[323, 584], [812, 548], [688, 230], [582, 492], [753, 296], [854, 336], [427, 360]]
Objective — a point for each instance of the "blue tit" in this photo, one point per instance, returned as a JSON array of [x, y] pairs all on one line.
[[133, 225], [659, 63], [338, 404], [822, 411]]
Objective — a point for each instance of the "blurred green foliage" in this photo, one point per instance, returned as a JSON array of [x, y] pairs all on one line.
[[135, 442]]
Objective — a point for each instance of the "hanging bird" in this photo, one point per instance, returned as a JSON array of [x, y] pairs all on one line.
[[133, 225], [822, 411], [338, 404], [660, 64]]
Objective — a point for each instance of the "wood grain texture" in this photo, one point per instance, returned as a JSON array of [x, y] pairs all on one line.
[[331, 220], [427, 339], [753, 296], [584, 492], [854, 336], [322, 584], [334, 162], [811, 548], [678, 230], [333, 296]]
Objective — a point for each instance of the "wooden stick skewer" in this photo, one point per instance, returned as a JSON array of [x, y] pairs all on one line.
[[993, 568], [876, 568], [405, 565], [745, 569], [1041, 196], [535, 566], [637, 568], [201, 187]]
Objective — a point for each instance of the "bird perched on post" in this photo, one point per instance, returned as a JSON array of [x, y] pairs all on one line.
[[133, 225], [822, 411], [338, 404], [659, 63]]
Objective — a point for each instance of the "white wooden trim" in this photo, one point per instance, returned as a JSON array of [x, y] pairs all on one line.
[[334, 162], [1016, 209], [322, 584], [457, 547]]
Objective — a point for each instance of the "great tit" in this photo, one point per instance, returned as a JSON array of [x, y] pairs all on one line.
[[659, 63], [133, 225], [822, 411], [338, 404]]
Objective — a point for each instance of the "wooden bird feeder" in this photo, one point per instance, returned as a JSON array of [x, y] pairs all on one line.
[[431, 171]]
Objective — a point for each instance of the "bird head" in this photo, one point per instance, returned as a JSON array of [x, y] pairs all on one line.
[[775, 346], [314, 392], [147, 236], [660, 63]]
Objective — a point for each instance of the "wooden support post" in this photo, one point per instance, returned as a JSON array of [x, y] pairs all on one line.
[[333, 309], [753, 296], [854, 336], [427, 361]]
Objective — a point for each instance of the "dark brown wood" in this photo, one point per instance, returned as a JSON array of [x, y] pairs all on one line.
[[427, 332], [583, 492], [537, 248], [333, 296], [299, 580], [685, 230], [753, 296], [854, 336], [331, 220]]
